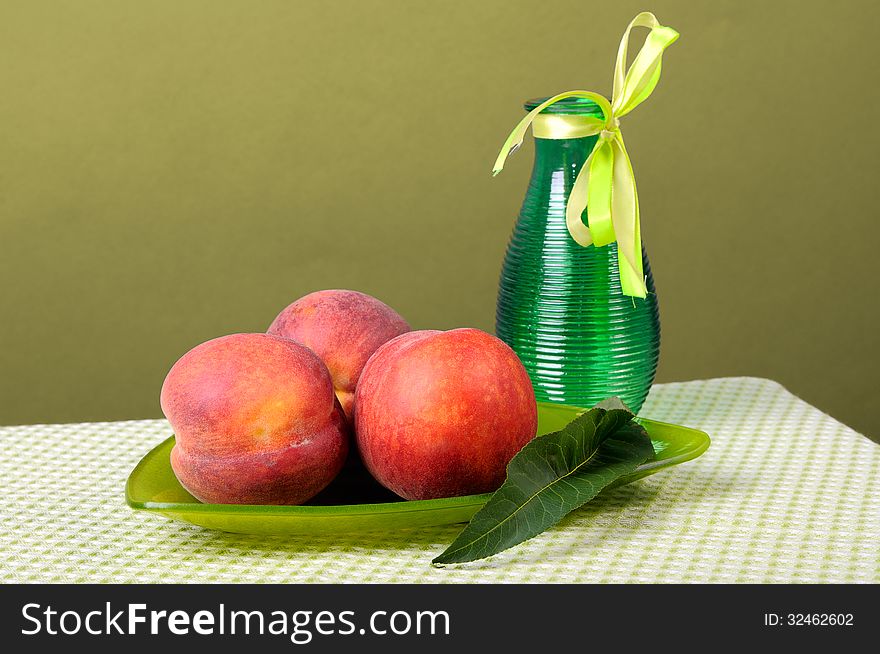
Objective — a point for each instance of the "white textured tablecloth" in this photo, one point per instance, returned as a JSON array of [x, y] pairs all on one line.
[[784, 494]]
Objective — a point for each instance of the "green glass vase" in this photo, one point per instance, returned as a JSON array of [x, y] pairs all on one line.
[[560, 305]]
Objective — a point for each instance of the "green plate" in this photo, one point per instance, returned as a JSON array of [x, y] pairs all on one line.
[[354, 502]]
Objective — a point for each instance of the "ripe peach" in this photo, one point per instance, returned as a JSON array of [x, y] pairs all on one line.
[[255, 419], [440, 414], [344, 328]]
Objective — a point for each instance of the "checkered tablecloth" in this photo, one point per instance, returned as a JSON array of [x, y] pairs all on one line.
[[784, 494]]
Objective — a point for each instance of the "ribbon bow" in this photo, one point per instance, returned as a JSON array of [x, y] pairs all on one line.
[[606, 185]]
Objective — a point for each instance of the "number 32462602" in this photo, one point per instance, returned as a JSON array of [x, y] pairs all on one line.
[[820, 619], [808, 619]]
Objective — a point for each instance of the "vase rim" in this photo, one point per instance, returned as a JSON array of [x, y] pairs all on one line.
[[569, 106]]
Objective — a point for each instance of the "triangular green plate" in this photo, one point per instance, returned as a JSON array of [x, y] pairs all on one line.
[[355, 503]]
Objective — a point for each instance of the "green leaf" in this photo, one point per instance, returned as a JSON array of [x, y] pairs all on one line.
[[550, 477]]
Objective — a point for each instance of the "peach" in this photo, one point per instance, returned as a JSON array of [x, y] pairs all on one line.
[[440, 414], [256, 421], [344, 328]]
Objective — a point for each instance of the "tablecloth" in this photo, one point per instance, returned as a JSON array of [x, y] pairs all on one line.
[[784, 494]]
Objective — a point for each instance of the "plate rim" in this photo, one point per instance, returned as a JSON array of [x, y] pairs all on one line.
[[396, 508]]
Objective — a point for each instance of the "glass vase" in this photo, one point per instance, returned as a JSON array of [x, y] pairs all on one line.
[[560, 305]]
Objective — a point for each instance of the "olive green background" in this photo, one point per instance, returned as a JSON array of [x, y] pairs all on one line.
[[173, 171]]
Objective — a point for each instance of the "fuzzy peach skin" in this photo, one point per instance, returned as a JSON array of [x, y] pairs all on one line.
[[344, 328], [255, 420], [440, 414]]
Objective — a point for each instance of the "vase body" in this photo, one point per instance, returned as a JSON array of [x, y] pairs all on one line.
[[560, 305]]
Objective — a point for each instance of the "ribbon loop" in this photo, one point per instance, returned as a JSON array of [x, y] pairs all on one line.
[[605, 186]]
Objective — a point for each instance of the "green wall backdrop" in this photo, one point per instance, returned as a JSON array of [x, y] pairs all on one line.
[[172, 171]]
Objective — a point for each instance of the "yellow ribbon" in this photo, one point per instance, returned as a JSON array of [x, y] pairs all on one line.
[[605, 185]]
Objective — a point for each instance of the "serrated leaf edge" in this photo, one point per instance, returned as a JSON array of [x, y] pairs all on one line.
[[523, 505], [436, 561]]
